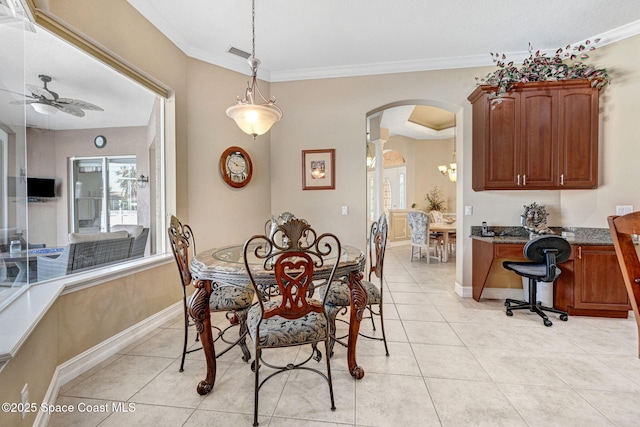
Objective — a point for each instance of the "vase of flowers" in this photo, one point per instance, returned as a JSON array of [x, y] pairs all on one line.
[[435, 201], [566, 64]]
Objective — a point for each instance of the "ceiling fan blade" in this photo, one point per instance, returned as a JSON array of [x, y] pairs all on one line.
[[79, 103], [69, 109], [24, 102], [42, 92], [16, 93]]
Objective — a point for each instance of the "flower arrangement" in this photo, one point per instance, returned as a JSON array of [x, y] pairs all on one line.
[[540, 67], [434, 199]]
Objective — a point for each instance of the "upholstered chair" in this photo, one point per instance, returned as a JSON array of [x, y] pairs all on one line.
[[624, 229], [292, 258], [338, 299], [232, 299], [421, 237]]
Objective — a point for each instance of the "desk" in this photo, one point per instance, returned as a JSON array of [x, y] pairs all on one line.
[[445, 229], [21, 259], [226, 265]]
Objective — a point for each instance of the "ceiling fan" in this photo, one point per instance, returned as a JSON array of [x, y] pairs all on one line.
[[46, 101]]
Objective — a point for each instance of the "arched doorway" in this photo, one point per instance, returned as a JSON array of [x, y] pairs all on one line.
[[423, 134]]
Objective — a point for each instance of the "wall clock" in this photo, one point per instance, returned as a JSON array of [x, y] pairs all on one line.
[[235, 167], [100, 141]]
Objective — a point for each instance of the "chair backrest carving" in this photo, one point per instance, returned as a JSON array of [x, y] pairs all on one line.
[[294, 253], [182, 242], [377, 246]]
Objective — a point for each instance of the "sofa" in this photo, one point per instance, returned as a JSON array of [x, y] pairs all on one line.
[[85, 252], [139, 232]]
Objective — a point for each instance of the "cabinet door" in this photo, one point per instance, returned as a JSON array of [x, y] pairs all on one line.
[[502, 148], [598, 280], [578, 137], [399, 226], [538, 130]]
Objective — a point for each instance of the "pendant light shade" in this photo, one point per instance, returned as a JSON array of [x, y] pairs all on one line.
[[254, 119]]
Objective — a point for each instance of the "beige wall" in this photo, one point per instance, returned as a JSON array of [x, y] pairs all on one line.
[[78, 321], [329, 113]]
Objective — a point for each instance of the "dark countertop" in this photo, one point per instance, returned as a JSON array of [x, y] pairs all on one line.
[[518, 235]]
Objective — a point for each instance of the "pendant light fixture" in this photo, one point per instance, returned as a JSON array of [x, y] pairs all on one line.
[[452, 170], [254, 119]]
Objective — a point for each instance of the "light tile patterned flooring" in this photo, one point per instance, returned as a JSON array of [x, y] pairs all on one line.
[[453, 362]]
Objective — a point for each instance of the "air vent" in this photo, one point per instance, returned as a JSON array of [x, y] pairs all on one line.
[[238, 52]]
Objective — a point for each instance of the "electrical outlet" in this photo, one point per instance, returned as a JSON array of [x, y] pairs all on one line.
[[24, 399], [624, 209]]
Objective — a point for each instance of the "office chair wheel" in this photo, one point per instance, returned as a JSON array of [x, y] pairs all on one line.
[[547, 322], [564, 317], [509, 313]]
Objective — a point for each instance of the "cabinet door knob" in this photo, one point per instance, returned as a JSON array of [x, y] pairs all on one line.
[[579, 252], [562, 179], [524, 180], [518, 180]]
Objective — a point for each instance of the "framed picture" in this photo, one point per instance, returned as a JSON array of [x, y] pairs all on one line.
[[318, 169]]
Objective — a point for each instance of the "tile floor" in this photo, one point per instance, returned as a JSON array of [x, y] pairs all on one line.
[[453, 362]]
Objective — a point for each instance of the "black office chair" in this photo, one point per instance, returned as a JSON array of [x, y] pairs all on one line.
[[545, 253]]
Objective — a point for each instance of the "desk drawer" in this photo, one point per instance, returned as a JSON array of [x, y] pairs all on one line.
[[509, 250]]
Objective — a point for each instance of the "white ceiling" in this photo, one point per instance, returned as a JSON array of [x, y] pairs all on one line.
[[306, 39]]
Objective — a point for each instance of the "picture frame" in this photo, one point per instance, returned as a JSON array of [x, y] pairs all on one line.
[[318, 169]]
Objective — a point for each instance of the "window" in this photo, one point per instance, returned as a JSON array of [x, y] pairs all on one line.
[[402, 191], [91, 187]]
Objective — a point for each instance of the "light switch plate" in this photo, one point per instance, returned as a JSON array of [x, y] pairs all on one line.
[[468, 210], [345, 210], [624, 209]]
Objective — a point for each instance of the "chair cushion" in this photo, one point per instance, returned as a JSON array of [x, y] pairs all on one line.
[[92, 237], [339, 293], [229, 297], [277, 331], [134, 230]]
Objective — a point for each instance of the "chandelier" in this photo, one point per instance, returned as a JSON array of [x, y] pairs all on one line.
[[452, 170], [254, 119]]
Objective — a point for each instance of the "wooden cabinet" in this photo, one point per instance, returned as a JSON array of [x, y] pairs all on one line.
[[398, 225], [542, 135], [598, 282], [590, 283]]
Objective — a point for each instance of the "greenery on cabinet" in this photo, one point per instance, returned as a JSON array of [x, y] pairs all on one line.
[[566, 64]]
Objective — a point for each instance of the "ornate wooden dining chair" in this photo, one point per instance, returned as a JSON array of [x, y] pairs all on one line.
[[232, 299], [339, 295], [290, 317], [622, 228], [421, 237]]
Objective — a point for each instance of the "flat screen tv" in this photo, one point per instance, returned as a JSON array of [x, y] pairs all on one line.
[[41, 188]]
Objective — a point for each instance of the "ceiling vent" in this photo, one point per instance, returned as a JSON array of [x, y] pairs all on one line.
[[238, 52]]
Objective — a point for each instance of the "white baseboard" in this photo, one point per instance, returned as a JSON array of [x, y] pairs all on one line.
[[99, 353], [490, 293], [502, 293]]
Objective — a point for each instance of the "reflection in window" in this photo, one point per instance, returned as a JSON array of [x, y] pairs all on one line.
[[402, 191], [372, 197], [386, 201], [38, 145]]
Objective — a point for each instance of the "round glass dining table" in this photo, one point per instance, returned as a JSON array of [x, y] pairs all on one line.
[[225, 266]]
